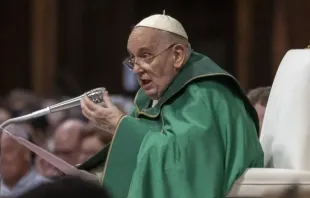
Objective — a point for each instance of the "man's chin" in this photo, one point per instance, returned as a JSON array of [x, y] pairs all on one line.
[[151, 93]]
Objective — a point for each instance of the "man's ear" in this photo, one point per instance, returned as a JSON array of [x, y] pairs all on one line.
[[179, 56]]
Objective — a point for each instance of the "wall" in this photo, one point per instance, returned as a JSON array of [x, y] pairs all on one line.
[[57, 47]]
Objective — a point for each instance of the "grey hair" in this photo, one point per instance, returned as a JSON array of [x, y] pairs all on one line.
[[174, 38]]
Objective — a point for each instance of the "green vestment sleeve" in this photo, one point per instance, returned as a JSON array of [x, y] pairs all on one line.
[[205, 141]]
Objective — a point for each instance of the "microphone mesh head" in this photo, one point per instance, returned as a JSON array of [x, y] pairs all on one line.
[[96, 95]]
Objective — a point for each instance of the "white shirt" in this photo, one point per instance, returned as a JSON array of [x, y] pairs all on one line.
[[27, 182], [154, 102]]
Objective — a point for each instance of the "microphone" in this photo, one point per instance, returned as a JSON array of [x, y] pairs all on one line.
[[95, 95]]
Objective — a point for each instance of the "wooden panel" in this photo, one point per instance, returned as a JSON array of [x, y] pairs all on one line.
[[298, 22], [261, 63], [280, 43], [44, 46], [102, 62], [244, 40], [69, 79], [14, 42]]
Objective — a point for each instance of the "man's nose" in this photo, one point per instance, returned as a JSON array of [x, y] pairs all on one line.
[[136, 68]]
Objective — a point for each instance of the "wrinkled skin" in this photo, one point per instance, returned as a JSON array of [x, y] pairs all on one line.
[[158, 57], [156, 74]]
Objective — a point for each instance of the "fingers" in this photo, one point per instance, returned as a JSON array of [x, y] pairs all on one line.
[[87, 113], [102, 117], [91, 110], [107, 100], [87, 103], [87, 108]]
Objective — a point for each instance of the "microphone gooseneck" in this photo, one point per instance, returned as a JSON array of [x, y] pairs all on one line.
[[95, 95], [29, 116]]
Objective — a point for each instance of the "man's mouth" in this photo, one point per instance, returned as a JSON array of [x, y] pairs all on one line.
[[145, 82]]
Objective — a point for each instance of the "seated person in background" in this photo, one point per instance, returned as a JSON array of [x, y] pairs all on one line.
[[54, 119], [92, 143], [17, 172], [259, 98], [19, 99], [67, 187], [37, 126], [68, 140], [43, 167], [37, 129], [66, 144]]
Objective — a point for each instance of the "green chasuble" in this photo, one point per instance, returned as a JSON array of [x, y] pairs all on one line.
[[194, 143]]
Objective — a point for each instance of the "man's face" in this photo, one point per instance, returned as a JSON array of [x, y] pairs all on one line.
[[90, 146], [68, 149], [14, 158], [154, 73], [67, 144], [260, 112]]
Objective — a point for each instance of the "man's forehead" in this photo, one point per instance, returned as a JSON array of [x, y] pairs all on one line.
[[142, 37]]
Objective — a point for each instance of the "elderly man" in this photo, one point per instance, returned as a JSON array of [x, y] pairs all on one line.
[[66, 145], [68, 139], [17, 172], [193, 131]]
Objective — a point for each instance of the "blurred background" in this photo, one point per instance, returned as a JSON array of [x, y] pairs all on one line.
[[65, 47], [51, 50]]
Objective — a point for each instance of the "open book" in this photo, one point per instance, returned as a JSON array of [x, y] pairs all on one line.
[[52, 159]]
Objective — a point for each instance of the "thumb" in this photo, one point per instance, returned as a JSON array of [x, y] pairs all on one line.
[[107, 100]]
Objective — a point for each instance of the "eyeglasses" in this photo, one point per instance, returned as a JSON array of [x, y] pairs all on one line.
[[131, 60]]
